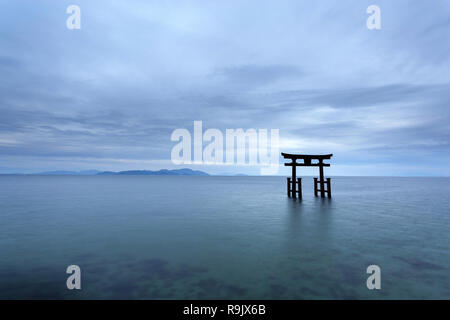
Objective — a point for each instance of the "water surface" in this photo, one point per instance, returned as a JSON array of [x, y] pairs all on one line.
[[166, 237]]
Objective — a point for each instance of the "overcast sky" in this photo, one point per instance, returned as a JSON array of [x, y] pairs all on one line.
[[109, 95]]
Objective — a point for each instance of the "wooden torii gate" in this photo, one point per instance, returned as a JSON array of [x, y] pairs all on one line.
[[294, 182]]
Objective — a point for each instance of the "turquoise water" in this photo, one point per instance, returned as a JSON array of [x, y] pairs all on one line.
[[165, 237]]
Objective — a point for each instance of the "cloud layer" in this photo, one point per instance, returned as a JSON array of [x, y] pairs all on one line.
[[109, 95]]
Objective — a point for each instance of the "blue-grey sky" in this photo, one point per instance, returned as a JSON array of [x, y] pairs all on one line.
[[109, 95]]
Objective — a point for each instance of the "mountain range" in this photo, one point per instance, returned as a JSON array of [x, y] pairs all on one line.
[[162, 172]]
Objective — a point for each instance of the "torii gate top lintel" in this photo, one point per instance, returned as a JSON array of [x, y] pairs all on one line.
[[306, 156], [307, 159]]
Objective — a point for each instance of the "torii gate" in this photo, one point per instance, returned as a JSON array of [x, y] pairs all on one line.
[[292, 185]]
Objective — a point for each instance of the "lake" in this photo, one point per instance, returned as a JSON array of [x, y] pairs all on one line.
[[188, 237]]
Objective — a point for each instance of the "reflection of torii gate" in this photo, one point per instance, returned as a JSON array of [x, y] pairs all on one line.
[[292, 185]]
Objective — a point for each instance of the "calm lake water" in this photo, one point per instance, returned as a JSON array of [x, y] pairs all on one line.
[[166, 237]]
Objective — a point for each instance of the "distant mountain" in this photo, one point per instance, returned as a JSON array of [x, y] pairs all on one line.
[[163, 172], [69, 173]]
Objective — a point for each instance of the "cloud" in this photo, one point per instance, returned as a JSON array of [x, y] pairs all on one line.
[[249, 76], [117, 88]]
